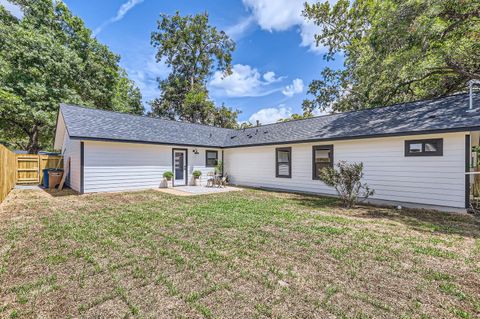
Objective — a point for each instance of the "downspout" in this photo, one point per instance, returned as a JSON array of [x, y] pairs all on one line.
[[471, 83], [467, 170]]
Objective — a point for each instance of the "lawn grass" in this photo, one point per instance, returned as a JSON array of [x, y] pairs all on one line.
[[248, 254]]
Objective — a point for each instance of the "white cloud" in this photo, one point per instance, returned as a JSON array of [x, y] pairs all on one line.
[[307, 33], [276, 15], [124, 8], [244, 81], [270, 77], [14, 9], [239, 29], [121, 12], [281, 15], [295, 88], [270, 115], [145, 72]]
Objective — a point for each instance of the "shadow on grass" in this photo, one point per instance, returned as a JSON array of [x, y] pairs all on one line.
[[64, 192], [427, 220], [422, 220], [316, 201]]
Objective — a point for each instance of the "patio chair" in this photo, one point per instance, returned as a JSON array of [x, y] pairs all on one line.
[[222, 181], [210, 179]]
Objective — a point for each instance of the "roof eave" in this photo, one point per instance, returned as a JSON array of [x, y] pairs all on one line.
[[100, 139], [358, 137]]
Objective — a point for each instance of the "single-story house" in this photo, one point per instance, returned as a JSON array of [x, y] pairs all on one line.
[[415, 153]]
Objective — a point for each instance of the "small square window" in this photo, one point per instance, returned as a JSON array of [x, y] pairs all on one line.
[[415, 148], [430, 147]]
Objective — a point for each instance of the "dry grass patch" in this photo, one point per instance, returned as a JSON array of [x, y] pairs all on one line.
[[248, 254]]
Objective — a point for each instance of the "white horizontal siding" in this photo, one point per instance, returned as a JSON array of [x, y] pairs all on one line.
[[423, 180], [71, 150], [117, 166]]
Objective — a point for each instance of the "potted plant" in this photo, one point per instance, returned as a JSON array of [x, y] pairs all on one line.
[[196, 175], [168, 178], [219, 168]]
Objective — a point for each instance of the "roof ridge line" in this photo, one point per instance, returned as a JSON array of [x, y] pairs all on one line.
[[143, 116]]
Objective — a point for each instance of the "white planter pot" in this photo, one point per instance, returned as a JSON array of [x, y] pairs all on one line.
[[166, 183]]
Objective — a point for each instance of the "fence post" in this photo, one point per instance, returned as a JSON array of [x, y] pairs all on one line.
[[7, 171]]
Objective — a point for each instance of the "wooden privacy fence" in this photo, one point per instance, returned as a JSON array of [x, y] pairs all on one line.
[[30, 167], [23, 169], [7, 171]]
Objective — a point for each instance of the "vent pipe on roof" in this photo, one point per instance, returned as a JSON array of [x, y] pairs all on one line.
[[471, 83]]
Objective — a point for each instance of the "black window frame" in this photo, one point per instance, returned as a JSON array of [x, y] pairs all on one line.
[[283, 149], [437, 141], [206, 158], [316, 148]]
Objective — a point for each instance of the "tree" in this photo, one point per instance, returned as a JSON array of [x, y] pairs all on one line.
[[193, 50], [246, 125], [296, 116], [127, 97], [226, 117], [346, 178], [395, 51], [49, 57]]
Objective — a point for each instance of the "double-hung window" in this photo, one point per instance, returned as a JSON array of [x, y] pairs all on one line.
[[283, 159], [211, 158], [322, 157]]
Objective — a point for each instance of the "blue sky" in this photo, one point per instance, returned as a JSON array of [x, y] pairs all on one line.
[[274, 61]]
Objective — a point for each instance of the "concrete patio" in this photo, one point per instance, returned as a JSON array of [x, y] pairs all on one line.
[[197, 190]]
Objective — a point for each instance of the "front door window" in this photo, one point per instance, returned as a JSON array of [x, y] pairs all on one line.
[[179, 166]]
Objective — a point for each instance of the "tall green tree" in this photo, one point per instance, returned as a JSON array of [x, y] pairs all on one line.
[[226, 117], [193, 50], [394, 51], [49, 57], [296, 116]]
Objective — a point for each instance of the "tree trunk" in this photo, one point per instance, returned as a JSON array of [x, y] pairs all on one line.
[[192, 82], [33, 146]]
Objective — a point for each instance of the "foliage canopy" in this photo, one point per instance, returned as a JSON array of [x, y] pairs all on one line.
[[395, 51], [49, 57], [193, 50]]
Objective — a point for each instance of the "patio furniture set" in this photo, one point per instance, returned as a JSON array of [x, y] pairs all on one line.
[[216, 180]]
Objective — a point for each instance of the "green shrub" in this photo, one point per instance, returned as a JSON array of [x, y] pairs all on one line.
[[219, 168], [197, 174], [168, 175], [347, 180]]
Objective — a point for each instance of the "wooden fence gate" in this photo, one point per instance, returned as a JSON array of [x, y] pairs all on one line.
[[30, 167]]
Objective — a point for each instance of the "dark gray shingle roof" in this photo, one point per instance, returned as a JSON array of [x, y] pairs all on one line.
[[90, 123], [442, 114]]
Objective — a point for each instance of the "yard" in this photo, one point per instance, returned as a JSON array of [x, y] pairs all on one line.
[[248, 254]]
